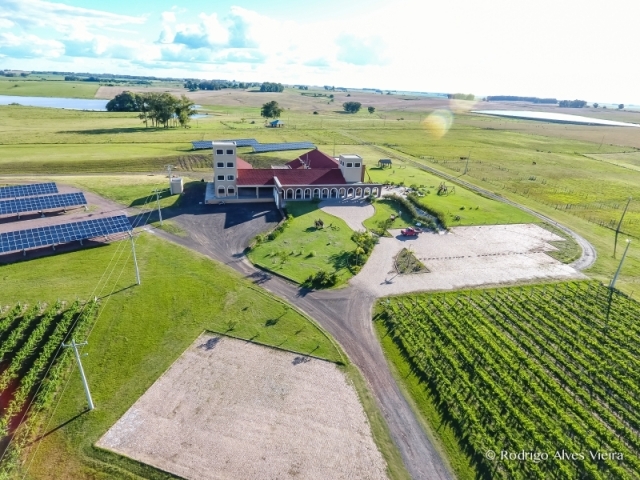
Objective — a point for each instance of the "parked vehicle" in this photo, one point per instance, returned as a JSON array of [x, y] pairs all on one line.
[[411, 232]]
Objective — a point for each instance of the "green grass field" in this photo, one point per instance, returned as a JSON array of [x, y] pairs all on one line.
[[302, 250], [140, 331], [49, 88], [384, 209]]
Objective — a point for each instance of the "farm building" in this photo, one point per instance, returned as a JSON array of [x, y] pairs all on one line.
[[385, 162], [276, 124], [312, 175]]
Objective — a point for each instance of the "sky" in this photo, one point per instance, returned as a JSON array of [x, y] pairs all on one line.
[[565, 49]]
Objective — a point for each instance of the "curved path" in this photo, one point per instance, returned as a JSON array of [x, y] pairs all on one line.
[[589, 255], [223, 232]]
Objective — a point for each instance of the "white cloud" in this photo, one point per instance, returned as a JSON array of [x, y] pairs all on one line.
[[61, 17], [29, 46]]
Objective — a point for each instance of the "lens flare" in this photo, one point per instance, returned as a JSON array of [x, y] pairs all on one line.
[[438, 123]]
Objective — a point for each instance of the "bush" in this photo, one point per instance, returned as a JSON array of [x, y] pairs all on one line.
[[428, 222], [321, 279], [415, 200]]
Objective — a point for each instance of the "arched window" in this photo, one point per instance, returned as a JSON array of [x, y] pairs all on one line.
[[299, 194], [231, 191], [358, 192], [307, 193], [367, 192], [334, 193], [374, 191], [221, 192], [350, 193], [289, 194], [316, 193], [325, 193], [343, 192]]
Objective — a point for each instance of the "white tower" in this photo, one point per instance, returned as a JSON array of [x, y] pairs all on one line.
[[225, 169], [352, 168]]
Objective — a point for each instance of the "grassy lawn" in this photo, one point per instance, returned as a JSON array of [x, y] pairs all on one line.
[[301, 250], [47, 88], [471, 208], [384, 210], [140, 331]]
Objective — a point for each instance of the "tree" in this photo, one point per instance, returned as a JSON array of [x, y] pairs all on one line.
[[621, 106], [123, 102], [185, 109], [595, 105], [271, 110], [352, 107], [371, 109]]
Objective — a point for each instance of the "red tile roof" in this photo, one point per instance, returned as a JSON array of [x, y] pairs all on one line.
[[315, 159], [300, 177], [242, 165]]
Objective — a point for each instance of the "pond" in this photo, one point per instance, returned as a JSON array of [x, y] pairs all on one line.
[[55, 102], [555, 117]]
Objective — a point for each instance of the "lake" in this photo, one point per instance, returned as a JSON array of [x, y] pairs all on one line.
[[68, 103], [555, 117], [53, 102]]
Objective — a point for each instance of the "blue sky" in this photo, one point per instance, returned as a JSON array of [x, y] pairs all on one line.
[[559, 48]]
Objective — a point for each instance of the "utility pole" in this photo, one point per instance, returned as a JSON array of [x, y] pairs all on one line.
[[615, 245], [466, 167], [158, 203], [169, 167], [135, 259], [75, 346], [615, 277]]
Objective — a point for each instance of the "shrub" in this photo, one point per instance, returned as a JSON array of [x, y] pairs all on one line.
[[321, 279]]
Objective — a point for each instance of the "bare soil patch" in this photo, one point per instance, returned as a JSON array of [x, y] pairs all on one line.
[[465, 257], [229, 409]]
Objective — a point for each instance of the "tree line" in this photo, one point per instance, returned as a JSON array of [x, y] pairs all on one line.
[[162, 109], [271, 87], [572, 103], [193, 85], [511, 98]]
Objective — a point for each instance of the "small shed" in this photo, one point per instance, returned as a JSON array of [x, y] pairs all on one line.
[[276, 124], [385, 162]]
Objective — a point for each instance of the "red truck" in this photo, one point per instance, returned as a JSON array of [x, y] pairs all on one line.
[[411, 232]]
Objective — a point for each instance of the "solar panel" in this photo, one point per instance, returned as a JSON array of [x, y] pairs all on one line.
[[28, 190], [240, 142], [64, 233], [275, 147], [38, 204], [202, 145]]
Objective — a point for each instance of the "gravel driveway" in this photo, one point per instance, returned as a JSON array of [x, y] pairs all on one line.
[[353, 212], [465, 257]]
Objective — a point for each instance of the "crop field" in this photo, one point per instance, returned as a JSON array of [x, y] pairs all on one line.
[[30, 338], [540, 369]]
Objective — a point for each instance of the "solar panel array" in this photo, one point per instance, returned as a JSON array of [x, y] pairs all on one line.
[[275, 147], [15, 191], [67, 232], [240, 142], [38, 204], [203, 145]]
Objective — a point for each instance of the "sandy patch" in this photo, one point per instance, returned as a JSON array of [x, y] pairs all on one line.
[[353, 212], [228, 409], [465, 257]]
